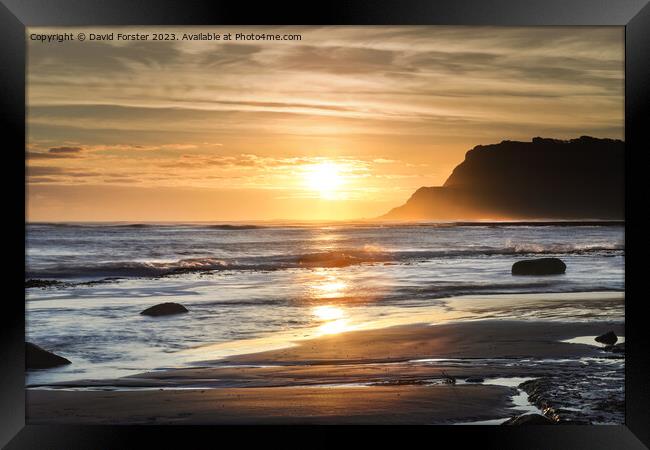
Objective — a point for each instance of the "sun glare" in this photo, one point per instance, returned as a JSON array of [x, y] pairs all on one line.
[[325, 178], [334, 320], [327, 313]]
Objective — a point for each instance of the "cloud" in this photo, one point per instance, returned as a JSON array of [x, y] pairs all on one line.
[[42, 180], [393, 99], [95, 57], [44, 170], [337, 80], [65, 150], [337, 59], [60, 172], [243, 170], [231, 55], [47, 155]]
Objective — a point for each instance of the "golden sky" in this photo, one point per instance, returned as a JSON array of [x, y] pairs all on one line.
[[343, 124]]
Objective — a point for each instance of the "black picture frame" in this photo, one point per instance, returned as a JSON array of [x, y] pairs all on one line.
[[15, 15]]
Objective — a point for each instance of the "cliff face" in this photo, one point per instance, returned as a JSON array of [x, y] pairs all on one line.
[[544, 179]]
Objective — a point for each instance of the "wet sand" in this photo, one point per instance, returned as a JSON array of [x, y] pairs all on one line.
[[474, 339], [280, 405], [388, 375]]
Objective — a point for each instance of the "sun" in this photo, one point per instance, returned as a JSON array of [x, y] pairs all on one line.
[[325, 178]]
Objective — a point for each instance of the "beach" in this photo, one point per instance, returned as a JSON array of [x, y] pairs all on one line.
[[335, 324], [386, 375]]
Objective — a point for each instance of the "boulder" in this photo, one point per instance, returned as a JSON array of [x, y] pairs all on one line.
[[608, 338], [618, 348], [474, 380], [541, 266], [38, 358], [529, 419], [164, 309], [32, 283]]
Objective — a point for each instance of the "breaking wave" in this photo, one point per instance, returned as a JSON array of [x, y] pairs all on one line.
[[326, 259], [561, 248]]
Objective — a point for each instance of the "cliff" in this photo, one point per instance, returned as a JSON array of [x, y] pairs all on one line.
[[544, 179]]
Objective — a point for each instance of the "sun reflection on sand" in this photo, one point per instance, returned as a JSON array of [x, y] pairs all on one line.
[[334, 318], [328, 312], [335, 327]]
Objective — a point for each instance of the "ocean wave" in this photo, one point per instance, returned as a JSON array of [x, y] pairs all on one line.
[[343, 258], [208, 264], [561, 248], [227, 227], [128, 269], [324, 259]]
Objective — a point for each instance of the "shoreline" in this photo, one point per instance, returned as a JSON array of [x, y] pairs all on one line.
[[365, 376], [454, 309], [482, 308]]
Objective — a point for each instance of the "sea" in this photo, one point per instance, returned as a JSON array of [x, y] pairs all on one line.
[[256, 286]]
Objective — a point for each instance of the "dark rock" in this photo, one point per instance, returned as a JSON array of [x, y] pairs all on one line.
[[31, 283], [529, 419], [574, 422], [474, 380], [618, 348], [608, 338], [545, 178], [541, 266], [164, 309], [38, 358], [580, 396], [448, 379]]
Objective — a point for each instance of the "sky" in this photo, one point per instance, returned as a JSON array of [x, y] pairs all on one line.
[[344, 123]]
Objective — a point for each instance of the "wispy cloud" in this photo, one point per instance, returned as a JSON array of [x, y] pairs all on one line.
[[396, 107]]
